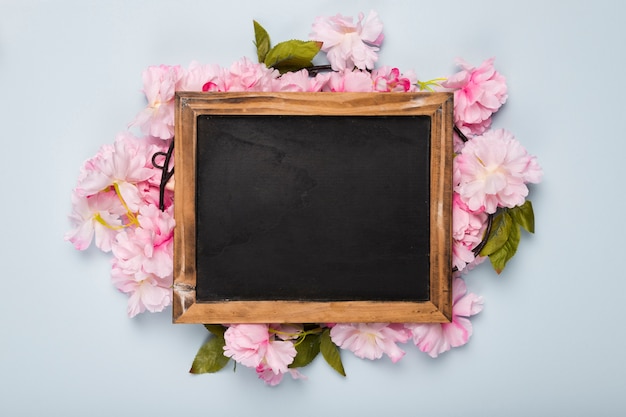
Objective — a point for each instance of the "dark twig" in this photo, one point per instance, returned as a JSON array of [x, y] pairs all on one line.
[[314, 70], [483, 242], [461, 135], [165, 173]]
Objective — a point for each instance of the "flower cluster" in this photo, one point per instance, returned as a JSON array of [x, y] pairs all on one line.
[[268, 349], [121, 203], [115, 204]]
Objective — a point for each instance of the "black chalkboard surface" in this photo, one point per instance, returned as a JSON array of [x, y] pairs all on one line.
[[305, 207], [321, 208]]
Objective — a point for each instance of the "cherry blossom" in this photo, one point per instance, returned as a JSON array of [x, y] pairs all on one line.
[[468, 229], [348, 45], [253, 345], [99, 215], [436, 338], [387, 79], [147, 248], [197, 75], [246, 343], [156, 233], [352, 81], [300, 81], [494, 169], [146, 291], [478, 93], [245, 75], [122, 168], [370, 340], [272, 378], [159, 85]]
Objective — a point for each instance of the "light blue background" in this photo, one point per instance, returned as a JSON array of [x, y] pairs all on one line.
[[550, 341]]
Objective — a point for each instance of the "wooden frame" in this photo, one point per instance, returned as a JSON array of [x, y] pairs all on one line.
[[189, 106]]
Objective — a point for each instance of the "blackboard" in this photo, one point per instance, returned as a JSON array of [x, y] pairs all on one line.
[[312, 207]]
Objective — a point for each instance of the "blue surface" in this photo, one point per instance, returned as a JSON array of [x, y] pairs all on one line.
[[550, 341]]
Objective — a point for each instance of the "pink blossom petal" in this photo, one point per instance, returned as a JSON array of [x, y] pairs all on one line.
[[435, 339], [246, 343], [370, 340], [348, 45], [279, 355], [492, 170]]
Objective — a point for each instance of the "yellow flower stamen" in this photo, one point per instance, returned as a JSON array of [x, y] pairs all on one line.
[[427, 85], [103, 222], [132, 217]]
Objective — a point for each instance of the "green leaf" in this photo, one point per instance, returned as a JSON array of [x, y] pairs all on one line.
[[524, 216], [499, 234], [306, 350], [261, 41], [292, 55], [330, 352], [216, 329], [210, 358], [500, 257]]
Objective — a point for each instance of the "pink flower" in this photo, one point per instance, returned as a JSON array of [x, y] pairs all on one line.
[[246, 343], [142, 263], [348, 45], [111, 187], [279, 355], [147, 292], [468, 229], [252, 345], [245, 75], [353, 81], [479, 92], [470, 130], [159, 85], [156, 232], [127, 164], [271, 378], [494, 169], [198, 75], [147, 249], [99, 215], [370, 340], [300, 81], [388, 79], [436, 338]]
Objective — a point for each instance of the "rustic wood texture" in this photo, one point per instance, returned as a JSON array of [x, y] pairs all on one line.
[[190, 105]]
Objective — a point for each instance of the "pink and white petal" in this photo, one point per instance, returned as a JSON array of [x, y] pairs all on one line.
[[429, 338], [458, 332], [268, 376], [82, 235], [130, 194], [469, 305], [279, 355]]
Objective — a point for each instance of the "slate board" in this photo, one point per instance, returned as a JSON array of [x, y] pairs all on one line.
[[316, 208]]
